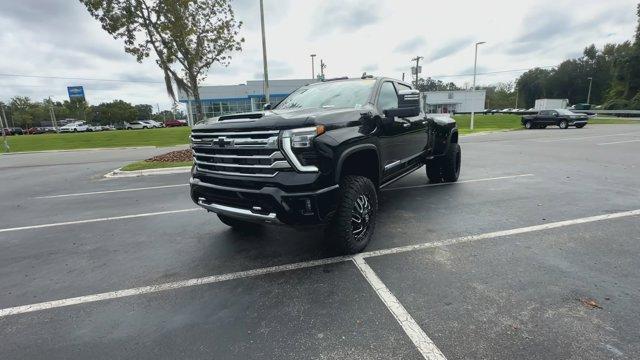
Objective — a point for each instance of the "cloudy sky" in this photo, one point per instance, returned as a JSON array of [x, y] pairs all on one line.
[[57, 39]]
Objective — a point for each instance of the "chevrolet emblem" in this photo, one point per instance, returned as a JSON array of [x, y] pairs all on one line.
[[222, 142]]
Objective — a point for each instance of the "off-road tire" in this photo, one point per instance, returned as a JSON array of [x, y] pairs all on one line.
[[447, 167], [340, 230], [237, 224]]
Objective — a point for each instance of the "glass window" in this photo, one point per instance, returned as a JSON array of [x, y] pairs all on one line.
[[333, 94], [403, 87], [388, 99], [565, 112]]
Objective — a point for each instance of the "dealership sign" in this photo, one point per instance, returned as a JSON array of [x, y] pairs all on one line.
[[75, 92]]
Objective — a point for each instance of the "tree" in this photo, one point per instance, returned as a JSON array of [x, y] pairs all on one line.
[[532, 85], [430, 84], [112, 113], [500, 96], [145, 111], [191, 34]]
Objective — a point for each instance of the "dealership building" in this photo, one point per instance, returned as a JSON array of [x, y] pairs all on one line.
[[233, 99], [457, 101]]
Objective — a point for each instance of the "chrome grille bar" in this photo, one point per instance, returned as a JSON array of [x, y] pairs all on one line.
[[275, 165], [273, 156]]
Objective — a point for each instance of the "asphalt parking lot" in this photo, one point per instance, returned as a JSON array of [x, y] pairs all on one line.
[[533, 254]]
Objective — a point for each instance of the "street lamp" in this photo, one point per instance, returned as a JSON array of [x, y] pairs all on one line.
[[417, 60], [473, 92], [313, 66], [589, 94], [264, 55]]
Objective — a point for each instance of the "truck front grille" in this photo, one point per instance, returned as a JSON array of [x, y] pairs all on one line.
[[250, 153]]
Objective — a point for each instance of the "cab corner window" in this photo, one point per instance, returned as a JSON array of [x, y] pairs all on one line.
[[388, 98]]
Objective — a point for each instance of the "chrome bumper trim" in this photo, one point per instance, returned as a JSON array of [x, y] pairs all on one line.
[[239, 213]]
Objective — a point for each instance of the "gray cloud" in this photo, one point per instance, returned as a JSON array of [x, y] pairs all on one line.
[[412, 45], [277, 69], [544, 28], [370, 67], [450, 48], [248, 11], [344, 15]]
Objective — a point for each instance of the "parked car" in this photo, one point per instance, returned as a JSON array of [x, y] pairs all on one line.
[[108, 127], [78, 126], [17, 131], [93, 128], [136, 125], [175, 123], [321, 165], [152, 123], [35, 131], [7, 132], [562, 118]]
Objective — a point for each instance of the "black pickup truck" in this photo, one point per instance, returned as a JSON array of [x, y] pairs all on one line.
[[561, 118], [320, 157]]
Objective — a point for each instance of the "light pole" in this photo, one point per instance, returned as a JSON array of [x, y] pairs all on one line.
[[2, 127], [517, 93], [322, 67], [264, 55], [417, 60], [473, 89], [589, 94], [313, 66]]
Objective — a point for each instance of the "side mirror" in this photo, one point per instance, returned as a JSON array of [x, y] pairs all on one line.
[[408, 104], [267, 106]]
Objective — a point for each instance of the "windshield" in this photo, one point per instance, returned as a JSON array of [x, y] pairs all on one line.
[[339, 94], [565, 112]]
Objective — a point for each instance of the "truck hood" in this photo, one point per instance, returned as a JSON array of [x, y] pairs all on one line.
[[286, 119]]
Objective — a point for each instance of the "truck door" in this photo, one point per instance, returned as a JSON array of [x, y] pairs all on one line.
[[394, 138], [417, 136]]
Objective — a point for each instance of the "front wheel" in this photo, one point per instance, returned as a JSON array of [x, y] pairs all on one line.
[[354, 221], [447, 167], [528, 125], [563, 124]]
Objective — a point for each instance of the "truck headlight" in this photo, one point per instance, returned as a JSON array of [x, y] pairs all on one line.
[[300, 139]]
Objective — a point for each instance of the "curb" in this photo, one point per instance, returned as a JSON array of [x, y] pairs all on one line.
[[92, 149], [119, 173]]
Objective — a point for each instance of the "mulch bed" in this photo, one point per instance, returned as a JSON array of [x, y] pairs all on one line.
[[173, 156]]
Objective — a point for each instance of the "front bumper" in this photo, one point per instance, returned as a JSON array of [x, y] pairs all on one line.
[[268, 204]]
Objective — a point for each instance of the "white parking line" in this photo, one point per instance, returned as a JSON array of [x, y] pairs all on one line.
[[425, 345], [619, 142], [583, 137], [496, 234], [110, 191], [166, 286], [459, 182], [274, 269], [112, 218]]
